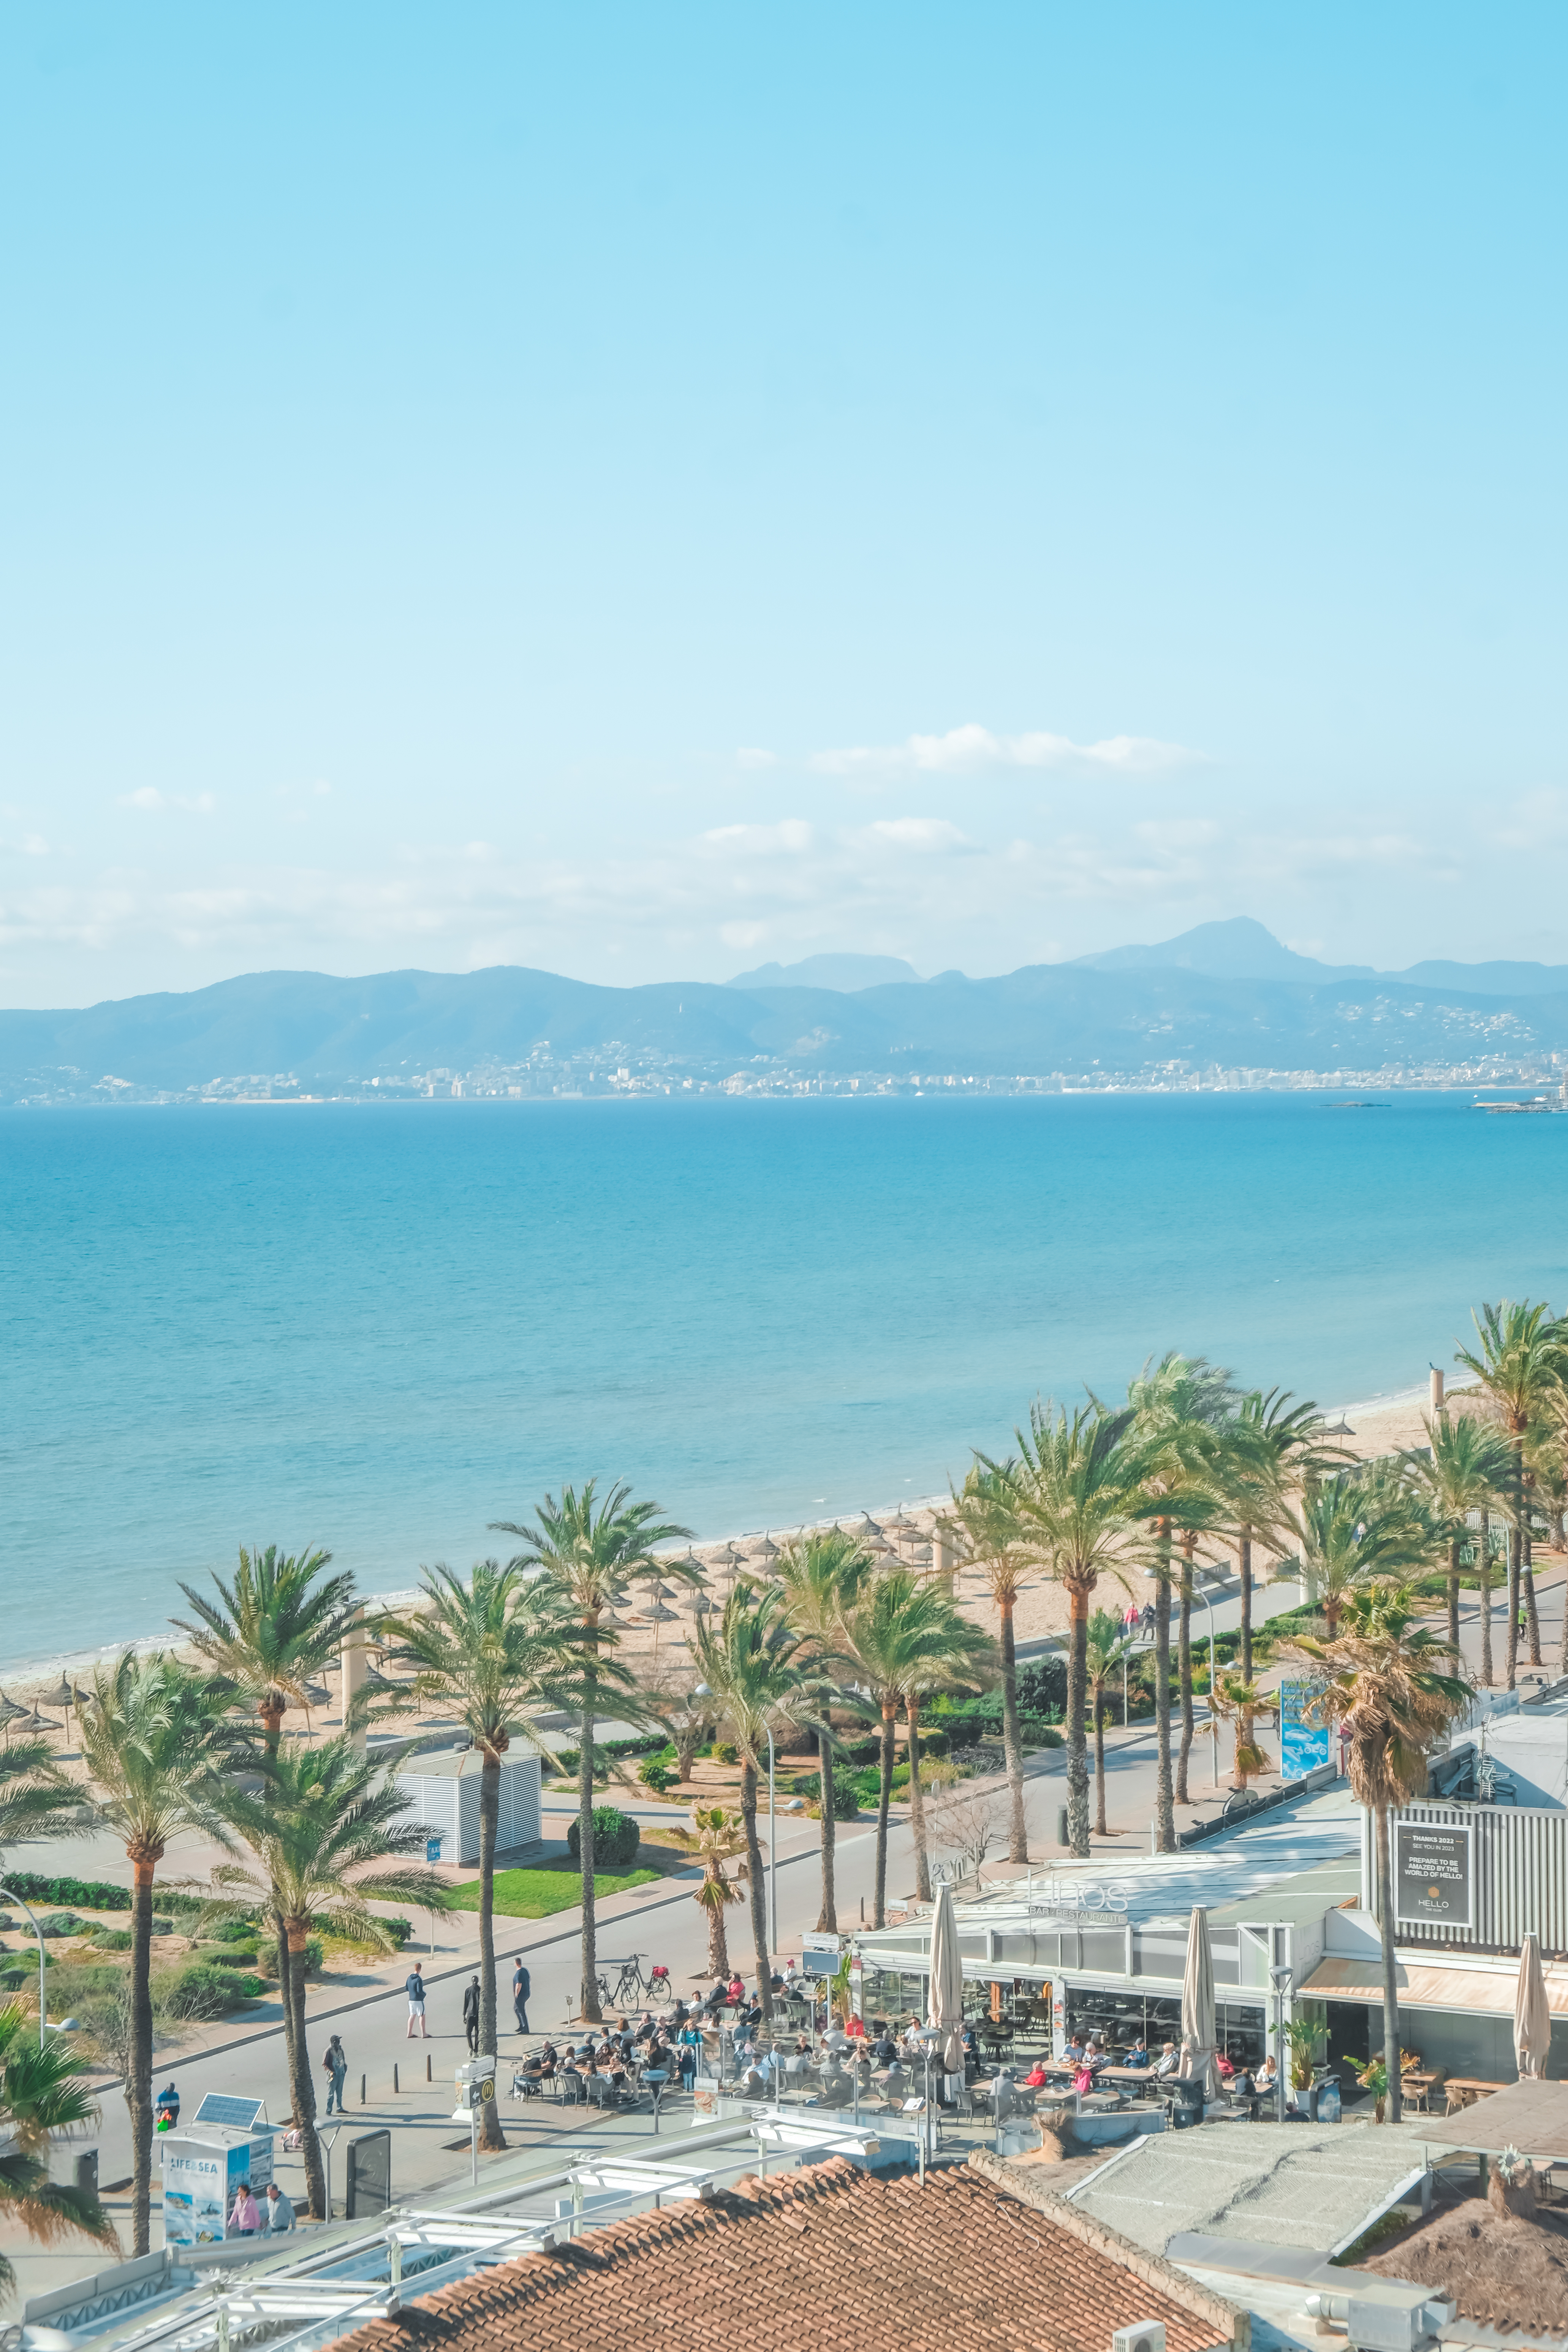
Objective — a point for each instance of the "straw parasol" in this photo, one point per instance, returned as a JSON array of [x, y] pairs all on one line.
[[33, 1721], [63, 1695], [945, 2015], [1197, 2008], [1531, 2016]]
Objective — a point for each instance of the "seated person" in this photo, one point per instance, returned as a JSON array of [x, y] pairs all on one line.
[[855, 2031], [679, 2015], [886, 2051], [895, 2083], [736, 1991], [1170, 2063], [1083, 2080], [1226, 2068], [548, 2060], [1074, 2052], [838, 2090], [1139, 2053], [1036, 2079]]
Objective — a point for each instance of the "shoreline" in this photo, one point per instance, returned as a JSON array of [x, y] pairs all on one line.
[[19, 1676]]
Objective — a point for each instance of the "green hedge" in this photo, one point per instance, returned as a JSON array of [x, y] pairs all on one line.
[[78, 1894], [610, 1750], [616, 1838]]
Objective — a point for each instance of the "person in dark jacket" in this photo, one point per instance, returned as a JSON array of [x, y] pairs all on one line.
[[522, 1986], [472, 2016]]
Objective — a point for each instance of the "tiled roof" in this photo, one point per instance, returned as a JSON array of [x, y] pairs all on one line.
[[827, 2259]]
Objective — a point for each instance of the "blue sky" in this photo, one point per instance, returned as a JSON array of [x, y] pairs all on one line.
[[641, 491]]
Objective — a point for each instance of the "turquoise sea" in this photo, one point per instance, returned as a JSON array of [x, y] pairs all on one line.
[[379, 1328]]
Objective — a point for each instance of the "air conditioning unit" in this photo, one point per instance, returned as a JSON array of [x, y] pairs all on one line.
[[1144, 2335]]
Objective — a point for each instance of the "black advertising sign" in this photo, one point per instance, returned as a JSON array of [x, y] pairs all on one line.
[[1434, 1874]]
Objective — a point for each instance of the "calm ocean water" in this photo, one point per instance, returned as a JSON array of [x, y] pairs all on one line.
[[380, 1329]]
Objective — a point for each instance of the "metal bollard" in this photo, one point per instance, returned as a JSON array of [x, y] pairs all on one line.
[[428, 2077], [395, 2081], [362, 2090]]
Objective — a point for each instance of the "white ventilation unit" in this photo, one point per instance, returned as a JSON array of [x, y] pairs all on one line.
[[1144, 2335]]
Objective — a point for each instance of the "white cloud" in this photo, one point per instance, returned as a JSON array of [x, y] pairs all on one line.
[[149, 797], [27, 845], [922, 833], [751, 756], [974, 749]]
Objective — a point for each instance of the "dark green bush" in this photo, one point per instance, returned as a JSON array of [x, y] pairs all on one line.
[[846, 1792], [656, 1775], [615, 1839], [726, 1752], [399, 1929], [236, 1931], [61, 1923], [85, 1893]]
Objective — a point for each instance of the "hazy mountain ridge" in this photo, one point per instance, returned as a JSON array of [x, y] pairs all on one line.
[[1045, 1018]]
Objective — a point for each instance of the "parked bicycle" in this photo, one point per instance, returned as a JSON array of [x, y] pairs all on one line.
[[637, 1986]]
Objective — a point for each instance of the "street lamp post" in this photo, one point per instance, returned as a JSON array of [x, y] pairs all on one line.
[[43, 1995], [1281, 1979]]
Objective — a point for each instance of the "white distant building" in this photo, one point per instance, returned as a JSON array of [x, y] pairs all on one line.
[[443, 1791]]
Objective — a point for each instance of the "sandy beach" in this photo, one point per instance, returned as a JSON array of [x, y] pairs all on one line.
[[1368, 1428]]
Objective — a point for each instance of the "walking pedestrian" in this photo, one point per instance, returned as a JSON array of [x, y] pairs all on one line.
[[280, 2211], [413, 1986], [245, 2219], [336, 2061], [522, 1986], [472, 2016]]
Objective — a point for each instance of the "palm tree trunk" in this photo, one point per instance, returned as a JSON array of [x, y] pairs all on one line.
[[1164, 1809], [590, 1999], [1513, 1606], [301, 2082], [827, 1917], [271, 1734], [1390, 1966], [1454, 1592], [1098, 1699], [1185, 1671], [718, 1939], [138, 2089], [1012, 1747], [755, 1886], [918, 1802], [1485, 1567], [491, 2134], [1078, 1759], [1244, 1563], [1527, 1552], [884, 1799]]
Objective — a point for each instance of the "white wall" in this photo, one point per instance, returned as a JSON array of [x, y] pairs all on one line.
[[448, 1803]]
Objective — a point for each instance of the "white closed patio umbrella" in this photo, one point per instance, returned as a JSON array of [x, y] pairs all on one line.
[[945, 2013], [1197, 2008], [1531, 2014]]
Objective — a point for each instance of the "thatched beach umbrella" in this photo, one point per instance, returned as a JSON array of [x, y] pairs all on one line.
[[1197, 2007], [1531, 2014], [31, 1720]]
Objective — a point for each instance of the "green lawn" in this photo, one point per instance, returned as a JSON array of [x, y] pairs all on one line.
[[536, 1893]]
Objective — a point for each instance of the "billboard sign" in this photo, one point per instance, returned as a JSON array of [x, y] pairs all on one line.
[[1304, 1742], [1434, 1874]]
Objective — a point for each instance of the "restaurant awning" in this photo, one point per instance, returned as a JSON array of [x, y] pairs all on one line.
[[1530, 2116], [1490, 1991]]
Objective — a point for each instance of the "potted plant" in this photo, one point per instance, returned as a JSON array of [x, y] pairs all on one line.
[[1374, 2078]]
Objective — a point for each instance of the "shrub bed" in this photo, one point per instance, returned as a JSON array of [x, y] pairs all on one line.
[[616, 1838]]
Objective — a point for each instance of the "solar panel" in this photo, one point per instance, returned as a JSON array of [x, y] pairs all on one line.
[[232, 2114]]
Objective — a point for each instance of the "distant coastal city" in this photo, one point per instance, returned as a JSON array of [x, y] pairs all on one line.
[[591, 1077]]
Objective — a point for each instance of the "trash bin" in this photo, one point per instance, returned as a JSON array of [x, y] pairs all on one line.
[[1062, 1837], [87, 2172], [1186, 2102]]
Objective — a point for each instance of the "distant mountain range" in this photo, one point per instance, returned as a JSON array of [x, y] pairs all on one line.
[[1120, 1013]]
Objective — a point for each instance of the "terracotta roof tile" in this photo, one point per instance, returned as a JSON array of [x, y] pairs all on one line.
[[824, 2260]]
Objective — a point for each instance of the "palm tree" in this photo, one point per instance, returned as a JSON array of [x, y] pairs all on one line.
[[268, 1635], [1521, 1359], [492, 1652], [718, 1835], [1106, 1648], [822, 1577], [1359, 1528], [1266, 1452], [37, 1799], [907, 1634], [979, 1525], [760, 1676], [1238, 1701], [588, 1549], [1075, 1490], [1389, 1678], [1467, 1471], [42, 2091], [964, 1660], [325, 1818], [152, 1736], [1177, 1406]]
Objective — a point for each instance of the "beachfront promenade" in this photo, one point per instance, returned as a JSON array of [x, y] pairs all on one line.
[[367, 2009]]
